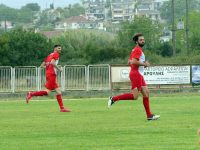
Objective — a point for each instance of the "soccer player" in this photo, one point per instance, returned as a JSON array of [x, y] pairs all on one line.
[[137, 63], [51, 66]]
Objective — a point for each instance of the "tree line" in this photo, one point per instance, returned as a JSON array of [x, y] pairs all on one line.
[[20, 47]]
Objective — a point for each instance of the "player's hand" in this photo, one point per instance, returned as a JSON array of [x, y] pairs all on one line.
[[130, 62], [60, 69], [146, 64], [43, 67]]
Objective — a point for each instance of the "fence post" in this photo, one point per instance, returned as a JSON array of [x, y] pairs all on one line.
[[63, 79], [38, 78], [109, 78], [13, 79], [87, 78], [98, 77]]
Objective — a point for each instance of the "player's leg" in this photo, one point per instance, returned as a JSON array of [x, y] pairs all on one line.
[[133, 95], [50, 82], [60, 100], [146, 103], [127, 96], [145, 93], [31, 94]]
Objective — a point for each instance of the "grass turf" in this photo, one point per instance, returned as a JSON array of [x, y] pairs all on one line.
[[91, 126]]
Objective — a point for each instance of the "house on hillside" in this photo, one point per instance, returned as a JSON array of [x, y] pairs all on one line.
[[166, 36], [148, 8], [94, 9], [6, 25], [122, 10], [152, 14], [159, 3], [78, 22]]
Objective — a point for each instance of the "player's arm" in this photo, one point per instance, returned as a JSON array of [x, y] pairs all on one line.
[[135, 61], [43, 65], [53, 62]]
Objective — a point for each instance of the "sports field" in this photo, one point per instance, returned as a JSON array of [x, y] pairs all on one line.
[[91, 126]]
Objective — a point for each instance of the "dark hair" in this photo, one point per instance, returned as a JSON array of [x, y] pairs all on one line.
[[135, 37], [57, 45]]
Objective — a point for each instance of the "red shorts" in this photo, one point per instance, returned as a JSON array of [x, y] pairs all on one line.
[[51, 82], [137, 80]]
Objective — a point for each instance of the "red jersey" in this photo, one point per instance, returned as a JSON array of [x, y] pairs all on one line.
[[138, 54], [49, 67]]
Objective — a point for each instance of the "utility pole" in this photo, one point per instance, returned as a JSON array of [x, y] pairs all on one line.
[[173, 31], [5, 24], [187, 29]]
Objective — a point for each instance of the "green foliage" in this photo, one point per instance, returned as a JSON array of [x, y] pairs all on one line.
[[72, 10], [97, 47], [88, 46], [25, 15], [140, 25], [194, 35], [180, 59], [194, 31], [23, 48], [32, 6], [7, 13], [17, 16], [195, 42], [179, 7], [48, 17], [165, 49]]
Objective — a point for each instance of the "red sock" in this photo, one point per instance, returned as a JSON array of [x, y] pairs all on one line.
[[39, 93], [147, 106], [125, 96], [60, 102]]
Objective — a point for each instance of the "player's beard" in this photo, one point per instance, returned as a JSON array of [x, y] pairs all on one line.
[[141, 45]]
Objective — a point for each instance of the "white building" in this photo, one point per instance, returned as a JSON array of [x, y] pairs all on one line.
[[94, 9], [79, 22], [6, 24], [122, 10]]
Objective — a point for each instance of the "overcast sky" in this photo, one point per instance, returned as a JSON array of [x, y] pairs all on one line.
[[43, 3]]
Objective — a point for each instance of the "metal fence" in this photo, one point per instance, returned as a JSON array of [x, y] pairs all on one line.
[[98, 77], [73, 77], [25, 78], [6, 79]]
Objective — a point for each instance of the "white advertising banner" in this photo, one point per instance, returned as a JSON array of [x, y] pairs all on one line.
[[155, 74]]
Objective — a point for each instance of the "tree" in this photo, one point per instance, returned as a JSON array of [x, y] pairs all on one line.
[[17, 16], [25, 15], [88, 47], [194, 32], [32, 6], [165, 50], [72, 10], [7, 13], [180, 9], [142, 25], [23, 48]]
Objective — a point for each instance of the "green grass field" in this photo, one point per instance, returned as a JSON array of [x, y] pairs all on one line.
[[91, 126]]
